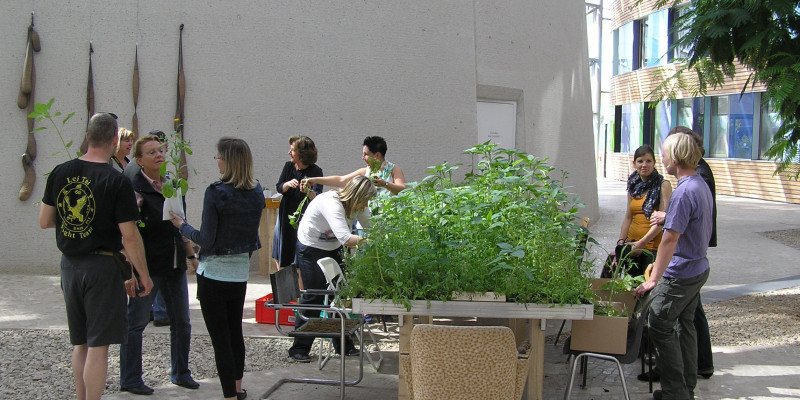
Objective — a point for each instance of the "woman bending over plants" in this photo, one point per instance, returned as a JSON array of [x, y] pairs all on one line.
[[323, 231]]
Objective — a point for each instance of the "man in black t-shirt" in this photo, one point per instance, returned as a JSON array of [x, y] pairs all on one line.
[[93, 209]]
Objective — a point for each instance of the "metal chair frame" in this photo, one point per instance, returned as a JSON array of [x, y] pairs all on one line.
[[334, 275], [283, 294]]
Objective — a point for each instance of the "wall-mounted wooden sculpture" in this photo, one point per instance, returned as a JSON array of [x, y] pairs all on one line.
[[25, 101], [184, 171], [89, 100], [135, 85]]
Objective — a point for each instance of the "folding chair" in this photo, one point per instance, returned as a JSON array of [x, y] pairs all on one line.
[[334, 275], [285, 289]]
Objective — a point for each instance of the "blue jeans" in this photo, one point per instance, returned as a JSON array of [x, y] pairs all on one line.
[[159, 308], [176, 298]]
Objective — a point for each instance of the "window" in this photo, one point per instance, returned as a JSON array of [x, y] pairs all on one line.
[[732, 126], [623, 49], [655, 45], [682, 51], [770, 122], [630, 127]]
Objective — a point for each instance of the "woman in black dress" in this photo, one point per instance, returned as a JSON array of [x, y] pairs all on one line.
[[301, 164]]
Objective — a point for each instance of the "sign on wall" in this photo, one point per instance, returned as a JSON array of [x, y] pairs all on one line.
[[497, 123]]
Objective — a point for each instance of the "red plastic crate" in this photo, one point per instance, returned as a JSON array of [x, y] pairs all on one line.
[[267, 316]]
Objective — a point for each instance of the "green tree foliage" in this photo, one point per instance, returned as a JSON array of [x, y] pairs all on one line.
[[761, 35]]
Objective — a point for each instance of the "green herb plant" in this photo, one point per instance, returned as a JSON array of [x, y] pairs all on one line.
[[509, 227], [171, 167], [44, 112], [294, 218]]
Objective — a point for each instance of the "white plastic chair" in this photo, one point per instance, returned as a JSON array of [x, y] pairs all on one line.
[[334, 275]]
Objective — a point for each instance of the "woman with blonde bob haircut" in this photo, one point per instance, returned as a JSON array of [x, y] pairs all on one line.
[[324, 231], [680, 270], [229, 235]]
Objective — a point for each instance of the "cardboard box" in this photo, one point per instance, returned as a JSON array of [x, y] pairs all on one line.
[[267, 316], [626, 298], [600, 335]]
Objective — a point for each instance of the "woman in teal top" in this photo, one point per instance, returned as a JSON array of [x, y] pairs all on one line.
[[231, 212], [385, 175]]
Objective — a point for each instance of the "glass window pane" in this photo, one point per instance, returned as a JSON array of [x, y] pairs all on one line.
[[656, 35], [691, 114], [741, 126], [662, 123], [631, 129], [719, 127], [623, 49], [770, 122], [732, 126], [682, 51]]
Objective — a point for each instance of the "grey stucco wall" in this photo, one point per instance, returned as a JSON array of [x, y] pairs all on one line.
[[409, 71]]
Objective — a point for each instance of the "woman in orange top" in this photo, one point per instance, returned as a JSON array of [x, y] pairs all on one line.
[[648, 191]]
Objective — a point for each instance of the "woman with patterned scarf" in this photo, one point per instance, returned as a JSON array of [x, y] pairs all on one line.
[[647, 191]]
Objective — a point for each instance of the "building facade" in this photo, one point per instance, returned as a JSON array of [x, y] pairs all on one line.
[[433, 78], [737, 127]]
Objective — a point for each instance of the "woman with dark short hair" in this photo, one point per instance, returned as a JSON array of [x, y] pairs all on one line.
[[301, 165]]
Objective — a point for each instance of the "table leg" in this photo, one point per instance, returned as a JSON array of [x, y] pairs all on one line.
[[405, 337], [536, 360]]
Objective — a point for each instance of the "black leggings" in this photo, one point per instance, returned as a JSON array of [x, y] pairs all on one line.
[[222, 304]]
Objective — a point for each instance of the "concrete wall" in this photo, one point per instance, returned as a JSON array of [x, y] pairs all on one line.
[[409, 71]]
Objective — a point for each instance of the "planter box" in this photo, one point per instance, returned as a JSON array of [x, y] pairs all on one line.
[[626, 298], [472, 296], [600, 335], [267, 316]]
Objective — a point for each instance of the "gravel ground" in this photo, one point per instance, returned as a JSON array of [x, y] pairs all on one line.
[[36, 363]]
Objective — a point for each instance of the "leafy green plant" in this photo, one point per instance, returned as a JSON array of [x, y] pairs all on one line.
[[171, 167], [509, 228], [44, 112], [294, 219]]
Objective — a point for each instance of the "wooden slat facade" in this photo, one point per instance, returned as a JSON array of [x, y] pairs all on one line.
[[636, 86], [742, 178]]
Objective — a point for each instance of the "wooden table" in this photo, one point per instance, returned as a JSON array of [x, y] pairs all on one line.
[[536, 316], [266, 232]]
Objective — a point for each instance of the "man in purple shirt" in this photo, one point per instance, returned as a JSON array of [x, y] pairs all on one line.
[[680, 270]]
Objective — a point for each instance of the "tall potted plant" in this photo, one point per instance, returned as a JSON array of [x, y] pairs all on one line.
[[174, 187]]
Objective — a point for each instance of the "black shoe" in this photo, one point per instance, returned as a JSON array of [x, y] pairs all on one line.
[[141, 389], [352, 352], [649, 376], [657, 394], [241, 395], [189, 384], [161, 322], [303, 358]]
